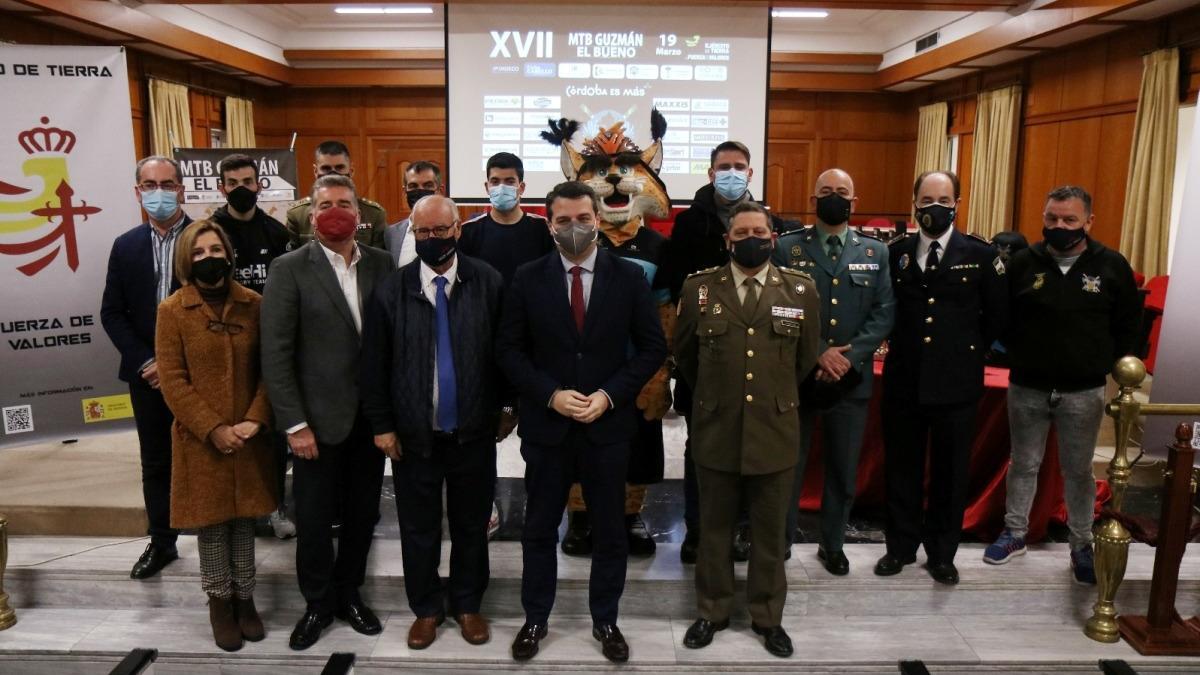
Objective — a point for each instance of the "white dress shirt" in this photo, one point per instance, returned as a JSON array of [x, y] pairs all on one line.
[[408, 247], [924, 242], [347, 276], [586, 276], [429, 288]]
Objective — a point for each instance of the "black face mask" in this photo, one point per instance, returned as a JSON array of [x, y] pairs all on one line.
[[211, 270], [1061, 239], [935, 219], [414, 196], [752, 252], [434, 252], [833, 209], [242, 199]]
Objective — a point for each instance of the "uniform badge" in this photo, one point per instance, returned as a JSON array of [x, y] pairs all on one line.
[[870, 253], [1091, 284], [702, 297], [904, 260], [800, 288], [796, 251], [999, 265], [1039, 280], [774, 280], [717, 308]]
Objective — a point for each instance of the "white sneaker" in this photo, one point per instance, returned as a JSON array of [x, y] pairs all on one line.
[[284, 528], [494, 521]]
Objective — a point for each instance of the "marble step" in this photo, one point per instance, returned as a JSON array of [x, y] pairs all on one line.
[[85, 641], [92, 573]]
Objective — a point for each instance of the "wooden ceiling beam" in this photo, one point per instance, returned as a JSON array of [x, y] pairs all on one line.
[[825, 59]]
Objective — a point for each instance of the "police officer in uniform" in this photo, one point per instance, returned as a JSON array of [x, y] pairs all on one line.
[[334, 157], [857, 312], [951, 304], [746, 337]]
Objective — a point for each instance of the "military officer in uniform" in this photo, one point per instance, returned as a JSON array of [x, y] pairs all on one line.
[[951, 304], [334, 157], [857, 312], [746, 337]]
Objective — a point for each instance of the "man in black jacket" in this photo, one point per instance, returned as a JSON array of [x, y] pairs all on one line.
[[697, 243], [951, 303], [1075, 311], [257, 238], [579, 338], [430, 393]]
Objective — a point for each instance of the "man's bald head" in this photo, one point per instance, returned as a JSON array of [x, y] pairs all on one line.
[[833, 213], [434, 210]]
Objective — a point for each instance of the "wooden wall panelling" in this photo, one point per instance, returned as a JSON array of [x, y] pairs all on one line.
[[788, 181], [966, 154]]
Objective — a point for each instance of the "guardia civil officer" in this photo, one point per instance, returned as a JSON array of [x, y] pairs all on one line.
[[857, 312], [951, 304], [747, 336]]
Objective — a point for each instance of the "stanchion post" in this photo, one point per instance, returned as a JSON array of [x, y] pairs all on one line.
[[7, 616]]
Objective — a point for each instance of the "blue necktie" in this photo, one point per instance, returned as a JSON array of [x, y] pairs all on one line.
[[447, 415]]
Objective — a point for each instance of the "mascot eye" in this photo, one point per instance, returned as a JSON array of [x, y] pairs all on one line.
[[602, 172], [624, 170]]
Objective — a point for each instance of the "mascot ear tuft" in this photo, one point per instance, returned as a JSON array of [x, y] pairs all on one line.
[[658, 125], [560, 132]]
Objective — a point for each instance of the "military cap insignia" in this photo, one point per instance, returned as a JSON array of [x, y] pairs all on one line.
[[1039, 280], [1091, 284]]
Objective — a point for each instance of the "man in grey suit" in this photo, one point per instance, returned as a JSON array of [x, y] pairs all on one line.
[[421, 179], [311, 334], [857, 312]]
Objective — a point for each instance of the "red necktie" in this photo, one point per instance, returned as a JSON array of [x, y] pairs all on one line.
[[577, 297]]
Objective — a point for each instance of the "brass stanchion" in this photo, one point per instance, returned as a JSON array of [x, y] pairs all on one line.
[[1112, 539], [7, 616]]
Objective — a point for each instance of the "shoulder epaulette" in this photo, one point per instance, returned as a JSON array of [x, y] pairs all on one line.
[[707, 271], [795, 272], [860, 235], [302, 202], [901, 238], [978, 238], [368, 202]]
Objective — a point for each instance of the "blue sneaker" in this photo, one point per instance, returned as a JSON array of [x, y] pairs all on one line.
[[1083, 565], [1004, 548]]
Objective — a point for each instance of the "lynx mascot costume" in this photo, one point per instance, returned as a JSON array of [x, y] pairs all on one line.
[[626, 180]]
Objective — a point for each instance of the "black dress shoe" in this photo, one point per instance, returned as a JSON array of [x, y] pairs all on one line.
[[775, 639], [943, 573], [525, 645], [640, 542], [890, 564], [689, 548], [308, 629], [700, 633], [360, 617], [612, 643], [578, 539], [835, 563], [153, 559], [741, 543]]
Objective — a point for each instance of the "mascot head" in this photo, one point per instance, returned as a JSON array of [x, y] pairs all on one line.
[[624, 177]]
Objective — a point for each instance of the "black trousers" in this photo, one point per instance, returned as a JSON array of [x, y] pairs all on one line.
[[468, 472], [909, 430], [549, 472], [153, 419], [345, 479]]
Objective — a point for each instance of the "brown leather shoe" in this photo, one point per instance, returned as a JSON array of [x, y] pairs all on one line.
[[226, 632], [248, 619], [424, 631], [474, 628]]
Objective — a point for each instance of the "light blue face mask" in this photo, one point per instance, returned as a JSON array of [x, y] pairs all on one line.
[[503, 197], [160, 204], [731, 184]]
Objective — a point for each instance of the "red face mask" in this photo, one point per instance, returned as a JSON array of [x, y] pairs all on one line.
[[336, 224]]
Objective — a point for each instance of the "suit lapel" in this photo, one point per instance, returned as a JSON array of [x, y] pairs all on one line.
[[560, 294], [724, 294], [816, 251], [852, 252], [956, 248], [327, 279], [770, 295], [365, 278]]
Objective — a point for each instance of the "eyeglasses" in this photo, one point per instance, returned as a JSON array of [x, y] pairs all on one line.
[[151, 186], [440, 231], [222, 327]]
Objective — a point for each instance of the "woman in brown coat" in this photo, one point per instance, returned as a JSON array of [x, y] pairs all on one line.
[[222, 466]]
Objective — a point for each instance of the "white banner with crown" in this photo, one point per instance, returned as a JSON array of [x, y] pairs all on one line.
[[66, 191]]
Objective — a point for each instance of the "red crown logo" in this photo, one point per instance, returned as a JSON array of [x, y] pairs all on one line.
[[46, 139]]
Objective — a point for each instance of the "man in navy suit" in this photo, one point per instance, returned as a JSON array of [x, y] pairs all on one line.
[[579, 337], [140, 275]]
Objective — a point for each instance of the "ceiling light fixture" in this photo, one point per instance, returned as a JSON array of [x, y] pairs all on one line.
[[799, 13], [384, 10]]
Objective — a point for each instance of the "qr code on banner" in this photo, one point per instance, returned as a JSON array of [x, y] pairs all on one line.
[[18, 419]]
